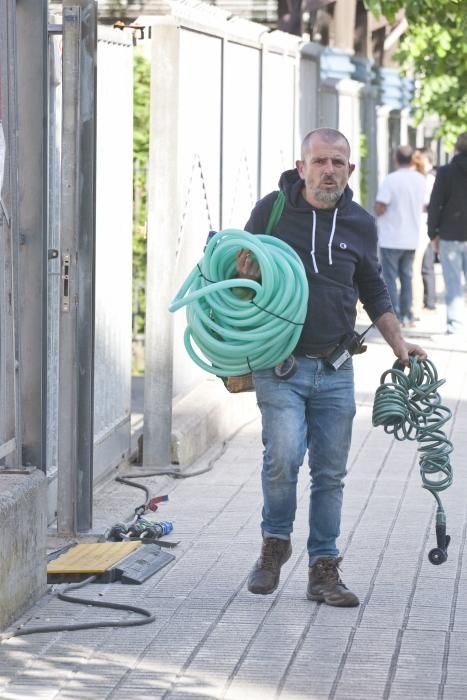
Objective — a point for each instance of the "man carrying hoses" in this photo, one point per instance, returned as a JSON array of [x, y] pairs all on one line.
[[313, 406]]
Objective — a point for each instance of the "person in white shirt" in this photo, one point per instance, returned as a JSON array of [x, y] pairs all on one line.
[[399, 206]]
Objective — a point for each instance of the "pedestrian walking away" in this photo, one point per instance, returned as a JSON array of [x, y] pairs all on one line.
[[313, 407], [447, 229], [425, 256], [399, 206]]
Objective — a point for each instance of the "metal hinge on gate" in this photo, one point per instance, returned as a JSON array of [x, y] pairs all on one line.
[[66, 264]]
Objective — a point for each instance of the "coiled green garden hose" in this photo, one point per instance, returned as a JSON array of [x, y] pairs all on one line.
[[409, 407], [238, 333]]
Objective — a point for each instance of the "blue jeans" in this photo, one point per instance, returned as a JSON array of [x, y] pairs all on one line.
[[453, 256], [314, 409], [397, 264]]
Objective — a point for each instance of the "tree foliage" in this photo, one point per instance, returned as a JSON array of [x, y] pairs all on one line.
[[141, 96], [434, 49]]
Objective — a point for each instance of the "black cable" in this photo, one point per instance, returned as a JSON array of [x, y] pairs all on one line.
[[176, 474], [153, 540], [262, 308], [147, 615], [124, 480]]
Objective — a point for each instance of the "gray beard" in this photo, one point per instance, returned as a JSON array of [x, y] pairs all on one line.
[[327, 197]]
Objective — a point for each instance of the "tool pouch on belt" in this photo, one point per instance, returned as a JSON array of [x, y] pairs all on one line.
[[238, 384]]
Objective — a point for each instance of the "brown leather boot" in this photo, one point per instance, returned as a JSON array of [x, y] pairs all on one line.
[[264, 576], [326, 586]]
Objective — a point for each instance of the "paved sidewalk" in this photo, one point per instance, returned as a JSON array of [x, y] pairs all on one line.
[[212, 639]]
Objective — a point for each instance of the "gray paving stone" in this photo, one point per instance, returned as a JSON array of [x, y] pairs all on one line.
[[213, 639], [415, 690], [367, 689], [16, 692], [455, 692]]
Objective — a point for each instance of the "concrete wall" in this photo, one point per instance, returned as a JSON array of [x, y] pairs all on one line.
[[23, 515]]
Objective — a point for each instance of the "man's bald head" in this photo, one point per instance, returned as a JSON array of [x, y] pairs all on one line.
[[325, 167], [324, 134]]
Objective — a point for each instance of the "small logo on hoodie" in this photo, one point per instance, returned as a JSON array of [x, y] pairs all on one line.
[[343, 246]]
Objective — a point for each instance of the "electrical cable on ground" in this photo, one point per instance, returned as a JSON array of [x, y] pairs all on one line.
[[145, 530], [409, 407], [146, 618], [255, 328], [175, 473], [121, 530]]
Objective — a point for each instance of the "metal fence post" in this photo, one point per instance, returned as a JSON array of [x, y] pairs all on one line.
[[163, 222], [25, 22], [10, 415], [76, 362]]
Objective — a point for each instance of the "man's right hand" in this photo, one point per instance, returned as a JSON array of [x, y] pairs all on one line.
[[247, 267], [435, 245]]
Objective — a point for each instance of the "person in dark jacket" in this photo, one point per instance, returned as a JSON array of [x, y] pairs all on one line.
[[447, 229], [314, 407]]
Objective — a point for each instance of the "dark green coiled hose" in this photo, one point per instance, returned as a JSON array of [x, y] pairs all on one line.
[[409, 407]]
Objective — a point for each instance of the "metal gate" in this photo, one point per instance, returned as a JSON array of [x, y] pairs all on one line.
[[65, 339], [89, 301]]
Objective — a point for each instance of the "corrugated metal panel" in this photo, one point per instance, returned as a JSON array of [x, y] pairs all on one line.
[[199, 124], [112, 380], [114, 182], [242, 80], [278, 118]]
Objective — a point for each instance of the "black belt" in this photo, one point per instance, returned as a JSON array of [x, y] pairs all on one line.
[[317, 355], [321, 356], [287, 368]]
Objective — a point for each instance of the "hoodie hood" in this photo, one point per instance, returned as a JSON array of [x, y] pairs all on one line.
[[291, 184], [460, 163]]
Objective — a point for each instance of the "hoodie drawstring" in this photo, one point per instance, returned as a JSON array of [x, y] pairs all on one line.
[[313, 236], [332, 235], [315, 267]]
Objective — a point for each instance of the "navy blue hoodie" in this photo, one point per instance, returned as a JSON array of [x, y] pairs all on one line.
[[338, 249]]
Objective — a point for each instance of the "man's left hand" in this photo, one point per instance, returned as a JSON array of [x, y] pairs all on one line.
[[402, 350]]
